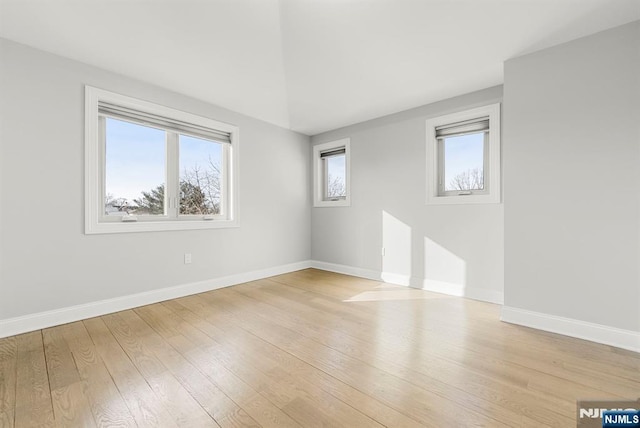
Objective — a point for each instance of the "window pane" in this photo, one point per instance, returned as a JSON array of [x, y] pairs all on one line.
[[200, 176], [464, 162], [336, 168], [134, 169]]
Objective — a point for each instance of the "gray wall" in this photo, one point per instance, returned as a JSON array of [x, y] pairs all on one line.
[[571, 179], [447, 244], [46, 260]]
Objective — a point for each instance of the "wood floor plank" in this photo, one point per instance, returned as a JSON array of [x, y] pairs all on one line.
[[33, 395], [107, 405], [237, 420], [60, 366], [180, 404], [145, 406], [230, 384], [207, 393], [71, 407], [7, 419], [267, 414], [307, 348], [8, 373], [258, 406]]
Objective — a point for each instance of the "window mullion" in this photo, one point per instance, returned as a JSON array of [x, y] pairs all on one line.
[[172, 194]]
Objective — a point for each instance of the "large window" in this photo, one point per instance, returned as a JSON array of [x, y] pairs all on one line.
[[463, 157], [150, 167], [331, 173]]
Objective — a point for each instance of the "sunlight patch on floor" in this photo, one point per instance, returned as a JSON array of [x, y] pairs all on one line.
[[399, 293]]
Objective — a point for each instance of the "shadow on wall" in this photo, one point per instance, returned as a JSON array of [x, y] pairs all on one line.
[[444, 271]]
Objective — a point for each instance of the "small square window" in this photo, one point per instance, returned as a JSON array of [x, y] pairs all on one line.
[[463, 153], [331, 174], [462, 164]]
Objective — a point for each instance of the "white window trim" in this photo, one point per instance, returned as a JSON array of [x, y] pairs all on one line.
[[318, 173], [94, 170], [492, 195]]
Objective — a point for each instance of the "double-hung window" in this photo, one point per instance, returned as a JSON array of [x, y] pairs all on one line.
[[150, 167], [331, 173], [463, 157]]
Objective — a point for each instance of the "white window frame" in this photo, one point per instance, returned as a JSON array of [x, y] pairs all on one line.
[[95, 157], [491, 193], [319, 173]]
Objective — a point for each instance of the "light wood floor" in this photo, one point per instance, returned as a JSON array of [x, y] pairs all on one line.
[[309, 348]]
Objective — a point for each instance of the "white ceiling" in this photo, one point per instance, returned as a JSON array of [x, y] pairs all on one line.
[[308, 65]]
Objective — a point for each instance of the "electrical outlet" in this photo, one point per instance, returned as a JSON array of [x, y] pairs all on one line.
[[187, 258], [383, 251]]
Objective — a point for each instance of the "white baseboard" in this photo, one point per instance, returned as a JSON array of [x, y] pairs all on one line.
[[626, 339], [347, 270], [395, 278], [482, 294], [23, 324]]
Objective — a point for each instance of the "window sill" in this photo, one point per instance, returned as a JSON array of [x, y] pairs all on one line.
[[327, 204], [463, 199], [157, 226]]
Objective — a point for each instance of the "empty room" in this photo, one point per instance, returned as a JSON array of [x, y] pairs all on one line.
[[320, 213]]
